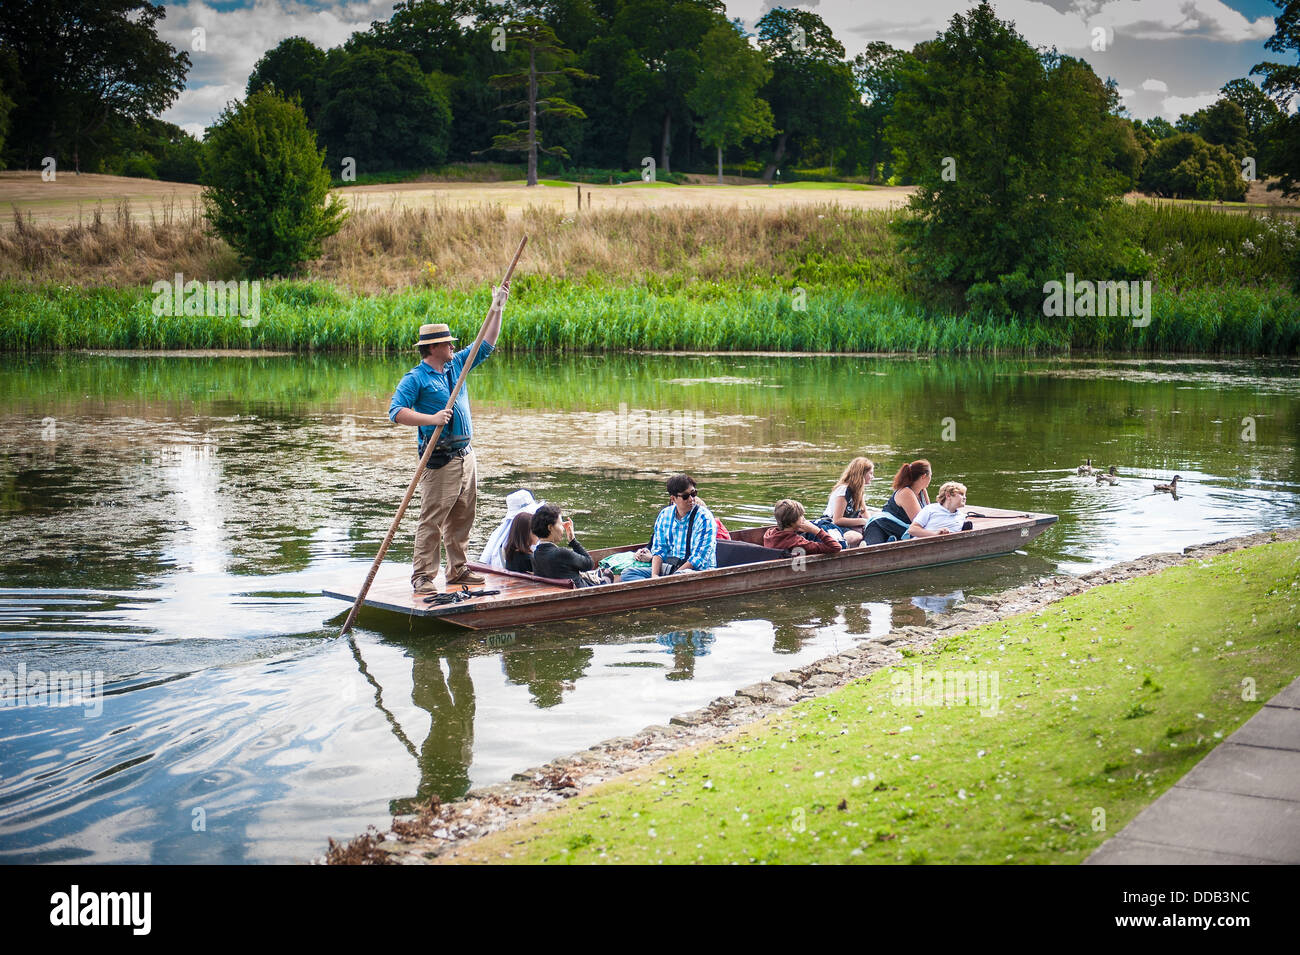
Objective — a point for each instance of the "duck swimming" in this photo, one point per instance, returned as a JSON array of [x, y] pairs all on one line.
[[1172, 486]]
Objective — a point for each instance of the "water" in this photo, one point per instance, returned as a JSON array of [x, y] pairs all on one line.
[[167, 523]]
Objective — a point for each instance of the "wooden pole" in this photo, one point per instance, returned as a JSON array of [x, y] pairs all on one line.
[[428, 449]]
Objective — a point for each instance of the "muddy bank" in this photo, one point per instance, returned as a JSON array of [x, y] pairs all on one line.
[[442, 829]]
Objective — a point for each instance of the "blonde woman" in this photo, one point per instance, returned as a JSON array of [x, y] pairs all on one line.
[[846, 507]]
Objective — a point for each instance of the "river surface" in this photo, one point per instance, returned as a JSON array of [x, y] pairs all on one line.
[[167, 525]]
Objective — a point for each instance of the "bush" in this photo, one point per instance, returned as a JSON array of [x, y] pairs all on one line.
[[140, 167], [267, 188], [1187, 167]]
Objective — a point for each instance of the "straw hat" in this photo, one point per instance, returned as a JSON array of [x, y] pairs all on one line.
[[435, 335]]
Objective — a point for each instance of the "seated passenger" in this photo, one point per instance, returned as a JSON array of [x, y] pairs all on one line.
[[794, 530], [685, 536], [551, 558], [895, 518], [517, 502], [846, 509], [944, 516], [520, 544]]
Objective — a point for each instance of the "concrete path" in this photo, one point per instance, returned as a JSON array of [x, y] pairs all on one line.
[[1239, 805]]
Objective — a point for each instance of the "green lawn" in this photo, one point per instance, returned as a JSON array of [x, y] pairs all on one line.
[[1103, 701], [856, 186]]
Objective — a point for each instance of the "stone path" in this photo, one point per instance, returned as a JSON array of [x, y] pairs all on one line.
[[1239, 805]]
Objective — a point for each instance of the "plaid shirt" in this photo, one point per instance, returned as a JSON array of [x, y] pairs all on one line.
[[670, 536]]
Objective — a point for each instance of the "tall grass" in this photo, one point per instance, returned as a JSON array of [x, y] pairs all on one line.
[[548, 315]]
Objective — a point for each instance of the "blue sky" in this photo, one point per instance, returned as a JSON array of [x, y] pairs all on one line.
[[1168, 56]]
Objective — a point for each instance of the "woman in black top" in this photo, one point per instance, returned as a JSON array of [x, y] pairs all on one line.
[[520, 543], [904, 504], [551, 559]]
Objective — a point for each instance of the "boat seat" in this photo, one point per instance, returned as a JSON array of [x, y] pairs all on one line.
[[733, 553]]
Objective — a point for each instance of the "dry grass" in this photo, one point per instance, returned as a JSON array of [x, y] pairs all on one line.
[[460, 246]]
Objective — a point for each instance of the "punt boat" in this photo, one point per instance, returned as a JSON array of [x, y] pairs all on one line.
[[524, 599]]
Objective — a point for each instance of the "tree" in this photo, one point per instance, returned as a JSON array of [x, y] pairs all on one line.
[[1224, 124], [725, 97], [543, 49], [86, 65], [1260, 111], [1008, 149], [876, 75], [665, 37], [811, 90], [380, 109], [1282, 83], [1187, 167], [268, 192], [296, 68]]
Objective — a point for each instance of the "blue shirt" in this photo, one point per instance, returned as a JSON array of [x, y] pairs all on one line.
[[670, 536], [424, 390]]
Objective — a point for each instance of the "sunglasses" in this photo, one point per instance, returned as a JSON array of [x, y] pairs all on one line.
[[686, 496]]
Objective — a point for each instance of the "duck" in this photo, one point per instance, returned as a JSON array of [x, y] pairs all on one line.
[[1111, 477], [1172, 486], [1086, 468]]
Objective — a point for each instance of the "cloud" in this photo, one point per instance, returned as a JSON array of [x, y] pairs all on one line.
[[235, 39], [1171, 107], [1155, 86]]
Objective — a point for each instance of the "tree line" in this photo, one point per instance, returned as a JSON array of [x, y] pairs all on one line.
[[596, 84]]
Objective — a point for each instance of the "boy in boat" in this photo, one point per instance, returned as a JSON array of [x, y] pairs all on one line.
[[793, 529], [944, 516], [685, 537], [449, 484]]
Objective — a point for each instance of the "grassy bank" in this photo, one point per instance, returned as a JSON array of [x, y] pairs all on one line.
[[692, 278], [1104, 701]]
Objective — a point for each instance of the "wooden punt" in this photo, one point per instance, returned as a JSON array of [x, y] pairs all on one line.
[[525, 600]]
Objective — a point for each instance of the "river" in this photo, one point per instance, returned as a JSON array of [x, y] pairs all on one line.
[[167, 524]]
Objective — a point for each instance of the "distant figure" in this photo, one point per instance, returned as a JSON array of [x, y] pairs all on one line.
[[943, 517], [895, 518], [793, 530], [521, 543]]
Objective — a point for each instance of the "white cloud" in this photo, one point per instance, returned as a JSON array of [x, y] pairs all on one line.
[[1125, 93], [236, 39], [1171, 107], [1155, 86]]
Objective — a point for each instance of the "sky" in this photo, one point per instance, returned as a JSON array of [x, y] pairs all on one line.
[[1167, 56]]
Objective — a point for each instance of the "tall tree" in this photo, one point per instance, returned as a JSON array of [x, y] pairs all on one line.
[[1260, 111], [725, 98], [86, 64], [1008, 149], [539, 48], [295, 67], [877, 77], [1282, 83], [811, 90], [666, 37]]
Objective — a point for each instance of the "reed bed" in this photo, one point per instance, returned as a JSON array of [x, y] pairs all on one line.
[[559, 316], [807, 278]]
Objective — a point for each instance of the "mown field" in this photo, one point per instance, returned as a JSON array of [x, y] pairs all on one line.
[[815, 274]]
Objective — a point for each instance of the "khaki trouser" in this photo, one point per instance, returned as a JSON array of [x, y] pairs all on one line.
[[447, 497]]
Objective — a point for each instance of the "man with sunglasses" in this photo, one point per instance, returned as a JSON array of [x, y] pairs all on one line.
[[685, 536]]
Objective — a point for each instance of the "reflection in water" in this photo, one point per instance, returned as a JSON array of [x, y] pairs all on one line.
[[937, 603], [448, 751], [685, 646], [548, 674]]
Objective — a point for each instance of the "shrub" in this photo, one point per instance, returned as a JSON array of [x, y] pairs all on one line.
[[1187, 167], [267, 188]]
